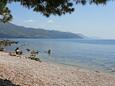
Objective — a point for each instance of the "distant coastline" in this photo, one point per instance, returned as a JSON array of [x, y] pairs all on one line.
[[9, 30]]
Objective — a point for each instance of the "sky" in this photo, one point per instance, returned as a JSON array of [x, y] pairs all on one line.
[[89, 20]]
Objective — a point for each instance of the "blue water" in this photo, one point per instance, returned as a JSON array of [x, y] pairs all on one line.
[[89, 54]]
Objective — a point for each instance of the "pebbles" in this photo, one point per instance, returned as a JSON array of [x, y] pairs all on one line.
[[26, 72]]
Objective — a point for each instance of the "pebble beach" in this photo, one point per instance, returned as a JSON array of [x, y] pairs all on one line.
[[26, 72]]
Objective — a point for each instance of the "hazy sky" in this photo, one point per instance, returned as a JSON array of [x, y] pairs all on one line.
[[90, 20]]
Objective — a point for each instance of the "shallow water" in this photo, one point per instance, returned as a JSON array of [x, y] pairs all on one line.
[[89, 54]]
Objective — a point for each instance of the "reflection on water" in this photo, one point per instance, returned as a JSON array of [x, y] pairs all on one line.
[[91, 54]]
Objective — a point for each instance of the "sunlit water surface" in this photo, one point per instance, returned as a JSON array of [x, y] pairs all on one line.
[[89, 54]]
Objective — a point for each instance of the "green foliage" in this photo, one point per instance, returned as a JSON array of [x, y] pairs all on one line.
[[4, 12], [83, 2], [46, 7]]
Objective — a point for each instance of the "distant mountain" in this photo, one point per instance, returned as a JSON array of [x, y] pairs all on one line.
[[9, 30]]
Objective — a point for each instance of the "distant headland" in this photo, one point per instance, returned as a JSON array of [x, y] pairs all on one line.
[[9, 30]]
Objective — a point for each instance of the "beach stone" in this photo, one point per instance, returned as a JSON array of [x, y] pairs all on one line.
[[26, 72]]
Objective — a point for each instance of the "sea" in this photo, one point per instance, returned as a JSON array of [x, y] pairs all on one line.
[[93, 54]]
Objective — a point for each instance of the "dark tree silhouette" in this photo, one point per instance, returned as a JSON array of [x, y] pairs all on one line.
[[46, 7], [5, 82], [5, 14]]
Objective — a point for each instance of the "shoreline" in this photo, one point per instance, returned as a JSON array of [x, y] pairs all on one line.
[[26, 72], [81, 66]]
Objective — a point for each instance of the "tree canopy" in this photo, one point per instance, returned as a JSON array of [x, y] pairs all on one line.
[[46, 7]]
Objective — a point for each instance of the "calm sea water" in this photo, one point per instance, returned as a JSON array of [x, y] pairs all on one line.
[[89, 54]]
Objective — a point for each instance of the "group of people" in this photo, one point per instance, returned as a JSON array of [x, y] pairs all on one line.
[[19, 52], [33, 53]]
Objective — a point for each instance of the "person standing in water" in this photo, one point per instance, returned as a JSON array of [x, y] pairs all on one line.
[[49, 51]]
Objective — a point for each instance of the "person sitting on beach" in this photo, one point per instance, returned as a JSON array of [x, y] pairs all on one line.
[[18, 51], [33, 55]]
